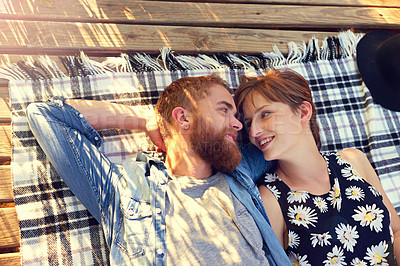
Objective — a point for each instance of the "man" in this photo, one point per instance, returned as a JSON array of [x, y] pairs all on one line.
[[183, 211]]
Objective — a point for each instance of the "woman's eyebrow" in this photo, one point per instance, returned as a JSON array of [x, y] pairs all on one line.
[[256, 111], [261, 107]]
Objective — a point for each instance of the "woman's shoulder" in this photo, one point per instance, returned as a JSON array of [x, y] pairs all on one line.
[[354, 157], [359, 161], [351, 154]]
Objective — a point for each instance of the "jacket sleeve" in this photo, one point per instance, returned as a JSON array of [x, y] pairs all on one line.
[[253, 162]]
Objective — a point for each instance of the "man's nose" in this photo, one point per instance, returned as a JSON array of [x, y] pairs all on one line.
[[236, 124]]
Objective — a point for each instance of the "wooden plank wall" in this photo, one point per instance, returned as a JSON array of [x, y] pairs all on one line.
[[9, 229], [105, 27], [100, 28]]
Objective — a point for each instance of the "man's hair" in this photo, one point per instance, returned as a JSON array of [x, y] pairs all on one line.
[[185, 93], [285, 86]]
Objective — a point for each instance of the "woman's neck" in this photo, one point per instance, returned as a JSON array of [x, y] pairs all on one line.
[[307, 171]]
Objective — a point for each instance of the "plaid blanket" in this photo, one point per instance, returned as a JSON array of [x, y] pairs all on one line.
[[56, 228]]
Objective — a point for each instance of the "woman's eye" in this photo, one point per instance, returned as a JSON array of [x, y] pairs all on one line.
[[264, 114], [225, 110]]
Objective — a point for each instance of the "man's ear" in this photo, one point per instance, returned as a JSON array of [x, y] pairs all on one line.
[[181, 117], [305, 111]]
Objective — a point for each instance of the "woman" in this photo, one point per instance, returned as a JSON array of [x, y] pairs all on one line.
[[326, 209]]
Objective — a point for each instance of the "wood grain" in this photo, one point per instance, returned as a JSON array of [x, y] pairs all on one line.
[[5, 111], [9, 228], [204, 14], [5, 145], [26, 37], [5, 140], [6, 192], [10, 259], [381, 3]]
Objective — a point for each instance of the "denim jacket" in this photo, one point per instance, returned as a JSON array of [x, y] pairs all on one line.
[[140, 234]]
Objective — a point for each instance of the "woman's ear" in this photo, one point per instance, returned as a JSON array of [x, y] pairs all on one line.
[[305, 111], [181, 117]]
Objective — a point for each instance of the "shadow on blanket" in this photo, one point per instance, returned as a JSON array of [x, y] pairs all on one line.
[[56, 228]]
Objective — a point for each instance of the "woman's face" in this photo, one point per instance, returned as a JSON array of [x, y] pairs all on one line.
[[272, 126]]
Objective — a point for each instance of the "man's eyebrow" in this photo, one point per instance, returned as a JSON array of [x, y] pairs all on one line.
[[230, 106]]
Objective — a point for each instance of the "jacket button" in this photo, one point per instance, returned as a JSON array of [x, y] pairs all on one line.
[[159, 251], [158, 210]]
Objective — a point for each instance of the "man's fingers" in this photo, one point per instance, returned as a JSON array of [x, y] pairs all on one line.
[[154, 133], [156, 138]]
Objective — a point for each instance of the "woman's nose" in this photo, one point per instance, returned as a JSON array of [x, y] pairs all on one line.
[[255, 130]]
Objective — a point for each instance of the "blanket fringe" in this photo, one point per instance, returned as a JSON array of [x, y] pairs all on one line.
[[341, 46]]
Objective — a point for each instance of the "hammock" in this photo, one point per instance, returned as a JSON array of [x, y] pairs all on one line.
[[55, 226]]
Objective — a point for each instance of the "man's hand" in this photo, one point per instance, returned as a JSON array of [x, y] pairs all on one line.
[[153, 132]]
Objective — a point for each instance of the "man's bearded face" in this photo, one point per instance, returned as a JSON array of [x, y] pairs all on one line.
[[213, 146]]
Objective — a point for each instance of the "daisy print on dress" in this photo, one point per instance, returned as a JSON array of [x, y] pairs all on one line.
[[347, 235], [297, 196], [326, 156], [320, 239], [355, 193], [358, 262], [321, 204], [327, 162], [369, 215], [335, 257], [376, 255], [334, 195], [302, 216], [297, 259], [339, 159], [271, 177], [351, 174], [375, 192], [294, 239], [391, 234], [274, 191]]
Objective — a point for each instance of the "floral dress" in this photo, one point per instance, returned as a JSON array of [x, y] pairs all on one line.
[[349, 225]]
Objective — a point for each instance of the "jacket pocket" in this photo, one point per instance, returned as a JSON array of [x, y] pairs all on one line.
[[134, 226]]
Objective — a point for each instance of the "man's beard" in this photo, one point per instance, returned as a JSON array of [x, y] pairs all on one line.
[[213, 147]]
